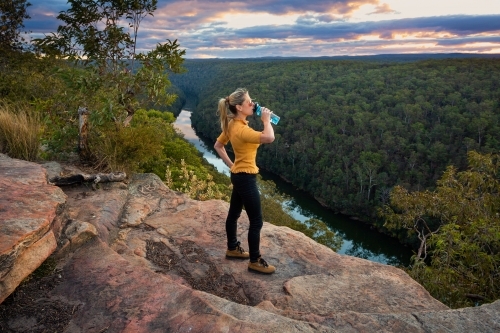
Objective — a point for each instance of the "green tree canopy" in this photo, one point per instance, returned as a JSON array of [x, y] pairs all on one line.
[[94, 34], [458, 225]]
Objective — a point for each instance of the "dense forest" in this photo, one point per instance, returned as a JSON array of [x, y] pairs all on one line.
[[352, 130]]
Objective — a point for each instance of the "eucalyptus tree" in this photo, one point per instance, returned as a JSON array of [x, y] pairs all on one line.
[[12, 16], [101, 37]]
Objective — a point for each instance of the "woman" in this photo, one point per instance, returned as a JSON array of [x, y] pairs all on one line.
[[233, 111]]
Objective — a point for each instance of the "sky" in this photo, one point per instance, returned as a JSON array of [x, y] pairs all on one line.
[[307, 28]]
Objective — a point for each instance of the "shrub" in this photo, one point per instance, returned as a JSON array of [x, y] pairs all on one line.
[[126, 148], [197, 188]]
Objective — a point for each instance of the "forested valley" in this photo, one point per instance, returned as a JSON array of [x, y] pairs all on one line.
[[408, 144], [352, 130]]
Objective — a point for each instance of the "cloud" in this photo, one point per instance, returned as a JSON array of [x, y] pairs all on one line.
[[383, 9], [459, 25], [456, 24], [469, 40], [335, 38], [355, 47], [434, 34], [189, 14], [43, 16], [278, 7], [315, 19]]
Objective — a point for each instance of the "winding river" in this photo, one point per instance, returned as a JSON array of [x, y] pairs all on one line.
[[359, 239]]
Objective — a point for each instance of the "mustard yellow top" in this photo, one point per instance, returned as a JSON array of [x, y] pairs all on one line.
[[245, 142]]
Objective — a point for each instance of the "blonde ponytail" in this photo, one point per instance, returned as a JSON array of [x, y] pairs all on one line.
[[229, 104], [223, 114]]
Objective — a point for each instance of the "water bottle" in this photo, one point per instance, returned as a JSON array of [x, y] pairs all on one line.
[[257, 109]]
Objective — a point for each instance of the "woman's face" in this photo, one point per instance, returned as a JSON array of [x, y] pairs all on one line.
[[246, 108]]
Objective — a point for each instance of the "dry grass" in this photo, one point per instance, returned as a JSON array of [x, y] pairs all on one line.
[[20, 131]]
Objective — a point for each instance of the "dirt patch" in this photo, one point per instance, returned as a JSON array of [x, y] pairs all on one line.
[[30, 309], [195, 267]]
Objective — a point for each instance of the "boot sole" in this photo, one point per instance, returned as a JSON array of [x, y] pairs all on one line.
[[259, 272], [237, 258]]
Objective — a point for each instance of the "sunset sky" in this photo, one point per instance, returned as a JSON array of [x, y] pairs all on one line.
[[308, 28]]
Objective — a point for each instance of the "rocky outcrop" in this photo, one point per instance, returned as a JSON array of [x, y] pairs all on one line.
[[28, 207], [139, 257]]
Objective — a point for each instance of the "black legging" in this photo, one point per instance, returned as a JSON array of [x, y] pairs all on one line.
[[245, 193]]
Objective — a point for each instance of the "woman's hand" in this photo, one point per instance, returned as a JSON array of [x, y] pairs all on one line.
[[267, 135], [265, 115]]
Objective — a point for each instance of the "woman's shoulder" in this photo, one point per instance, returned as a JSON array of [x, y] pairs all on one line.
[[237, 124], [246, 133]]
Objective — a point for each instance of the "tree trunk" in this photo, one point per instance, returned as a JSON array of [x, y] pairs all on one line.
[[83, 148], [82, 177]]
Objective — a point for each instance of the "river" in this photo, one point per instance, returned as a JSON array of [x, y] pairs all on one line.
[[359, 239]]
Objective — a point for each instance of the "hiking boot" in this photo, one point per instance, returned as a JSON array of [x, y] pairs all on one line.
[[237, 253], [261, 266]]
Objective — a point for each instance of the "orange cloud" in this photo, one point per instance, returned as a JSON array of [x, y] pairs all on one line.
[[433, 34], [348, 7], [383, 9], [187, 14]]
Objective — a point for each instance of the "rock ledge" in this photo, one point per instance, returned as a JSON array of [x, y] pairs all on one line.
[[139, 257]]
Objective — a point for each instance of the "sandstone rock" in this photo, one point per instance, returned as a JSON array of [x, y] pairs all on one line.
[[27, 260], [313, 284], [124, 298], [28, 206], [135, 213], [77, 233], [54, 169], [101, 208]]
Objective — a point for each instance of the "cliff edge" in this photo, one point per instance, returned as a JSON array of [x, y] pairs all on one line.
[[139, 257]]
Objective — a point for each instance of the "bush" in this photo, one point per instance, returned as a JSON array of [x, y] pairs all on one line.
[[119, 148], [198, 188]]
